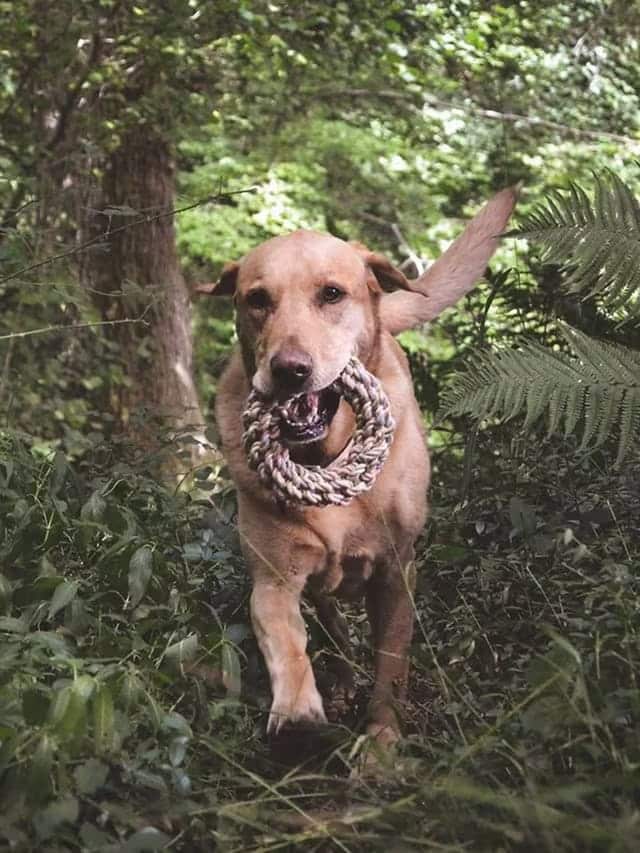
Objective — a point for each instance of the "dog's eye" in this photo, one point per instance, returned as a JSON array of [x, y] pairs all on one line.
[[258, 299], [331, 294]]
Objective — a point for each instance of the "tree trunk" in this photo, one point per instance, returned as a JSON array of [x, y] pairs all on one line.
[[134, 274]]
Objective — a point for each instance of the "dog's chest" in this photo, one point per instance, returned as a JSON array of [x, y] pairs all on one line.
[[347, 569]]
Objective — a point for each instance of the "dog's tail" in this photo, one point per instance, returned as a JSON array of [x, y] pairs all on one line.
[[454, 273]]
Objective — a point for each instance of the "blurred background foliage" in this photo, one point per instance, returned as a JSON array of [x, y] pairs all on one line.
[[131, 692]]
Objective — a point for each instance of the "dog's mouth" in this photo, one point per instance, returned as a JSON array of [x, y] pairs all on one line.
[[307, 417]]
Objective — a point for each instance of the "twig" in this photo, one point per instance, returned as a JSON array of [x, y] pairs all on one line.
[[144, 220], [415, 259], [73, 327], [492, 115]]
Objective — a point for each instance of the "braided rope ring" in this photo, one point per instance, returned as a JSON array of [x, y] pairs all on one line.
[[341, 481]]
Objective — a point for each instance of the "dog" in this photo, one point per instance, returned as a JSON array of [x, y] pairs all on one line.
[[305, 303]]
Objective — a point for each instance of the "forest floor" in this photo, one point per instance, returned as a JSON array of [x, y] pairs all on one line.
[[133, 699]]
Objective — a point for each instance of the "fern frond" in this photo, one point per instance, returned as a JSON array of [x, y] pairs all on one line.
[[596, 390], [597, 240]]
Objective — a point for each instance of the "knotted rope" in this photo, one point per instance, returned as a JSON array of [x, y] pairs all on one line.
[[341, 481]]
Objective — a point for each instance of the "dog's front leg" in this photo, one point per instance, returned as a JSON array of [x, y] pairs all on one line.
[[281, 634], [390, 609]]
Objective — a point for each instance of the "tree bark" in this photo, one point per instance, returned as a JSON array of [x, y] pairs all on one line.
[[135, 274]]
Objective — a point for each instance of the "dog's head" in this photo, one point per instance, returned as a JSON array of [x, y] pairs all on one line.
[[306, 302]]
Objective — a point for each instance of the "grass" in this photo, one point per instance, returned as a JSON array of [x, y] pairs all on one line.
[[133, 699]]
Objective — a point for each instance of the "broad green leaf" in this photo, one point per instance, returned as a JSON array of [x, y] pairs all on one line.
[[12, 625], [8, 744], [130, 690], [64, 594], [103, 720], [523, 517], [5, 594], [231, 673], [182, 652], [90, 776], [94, 838], [35, 706], [178, 750], [68, 713], [94, 509], [38, 780], [47, 821], [145, 840], [140, 569], [174, 722], [84, 685], [155, 712]]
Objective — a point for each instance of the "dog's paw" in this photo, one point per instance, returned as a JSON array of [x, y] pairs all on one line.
[[301, 706]]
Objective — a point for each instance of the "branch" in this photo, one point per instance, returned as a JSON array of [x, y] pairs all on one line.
[[495, 115], [492, 115], [412, 257], [74, 93], [72, 327], [144, 220], [419, 263]]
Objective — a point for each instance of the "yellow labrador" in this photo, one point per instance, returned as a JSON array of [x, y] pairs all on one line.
[[305, 303]]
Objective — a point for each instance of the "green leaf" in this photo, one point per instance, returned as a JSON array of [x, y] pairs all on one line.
[[180, 653], [5, 593], [64, 594], [47, 821], [231, 672], [130, 690], [103, 720], [147, 839], [94, 509], [140, 569], [35, 706], [172, 721], [38, 780], [90, 776], [68, 713], [523, 517], [8, 744], [94, 838], [178, 750], [13, 625]]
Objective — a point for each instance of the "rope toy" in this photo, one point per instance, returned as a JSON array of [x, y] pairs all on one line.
[[341, 481]]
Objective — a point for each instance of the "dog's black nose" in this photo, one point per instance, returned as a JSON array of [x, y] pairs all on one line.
[[291, 367]]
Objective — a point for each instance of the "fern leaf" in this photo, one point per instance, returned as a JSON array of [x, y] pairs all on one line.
[[597, 240], [629, 422], [595, 390], [610, 400]]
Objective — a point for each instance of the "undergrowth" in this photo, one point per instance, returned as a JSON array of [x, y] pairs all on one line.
[[133, 699]]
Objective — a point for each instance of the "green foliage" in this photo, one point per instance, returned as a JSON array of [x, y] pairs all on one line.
[[597, 388], [132, 707], [599, 240], [103, 610]]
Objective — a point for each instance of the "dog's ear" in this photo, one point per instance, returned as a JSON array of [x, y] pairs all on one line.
[[385, 277], [225, 285]]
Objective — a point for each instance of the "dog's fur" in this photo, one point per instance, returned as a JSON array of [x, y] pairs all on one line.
[[365, 548]]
